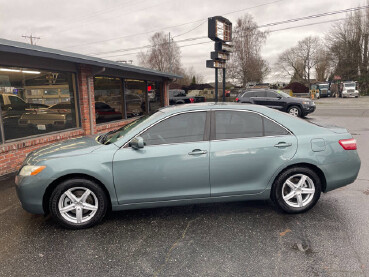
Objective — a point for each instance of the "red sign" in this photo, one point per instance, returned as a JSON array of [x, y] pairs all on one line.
[[336, 77]]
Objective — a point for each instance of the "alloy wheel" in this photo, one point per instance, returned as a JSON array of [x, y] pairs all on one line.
[[294, 112], [78, 205], [298, 191]]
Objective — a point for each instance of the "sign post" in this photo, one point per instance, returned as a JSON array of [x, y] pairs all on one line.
[[220, 31]]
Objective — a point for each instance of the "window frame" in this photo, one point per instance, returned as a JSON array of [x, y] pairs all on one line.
[[206, 136], [213, 124]]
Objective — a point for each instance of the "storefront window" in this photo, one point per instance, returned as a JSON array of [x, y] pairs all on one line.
[[155, 96], [110, 104], [135, 95], [108, 99], [35, 102]]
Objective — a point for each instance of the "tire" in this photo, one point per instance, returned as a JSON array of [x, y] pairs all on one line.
[[294, 111], [91, 210], [308, 195]]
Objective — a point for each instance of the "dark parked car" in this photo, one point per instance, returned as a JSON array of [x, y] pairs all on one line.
[[278, 100], [179, 96]]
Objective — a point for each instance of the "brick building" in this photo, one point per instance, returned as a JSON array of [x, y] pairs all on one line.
[[48, 95]]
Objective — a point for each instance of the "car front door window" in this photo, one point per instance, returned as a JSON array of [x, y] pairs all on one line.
[[187, 127]]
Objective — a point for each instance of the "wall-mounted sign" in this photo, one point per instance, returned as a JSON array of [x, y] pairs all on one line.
[[219, 55], [215, 64], [219, 29]]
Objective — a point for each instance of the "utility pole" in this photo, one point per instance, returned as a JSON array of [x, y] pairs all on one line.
[[32, 39], [170, 55]]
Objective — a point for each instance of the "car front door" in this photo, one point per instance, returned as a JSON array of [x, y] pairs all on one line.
[[274, 100], [173, 165], [246, 150]]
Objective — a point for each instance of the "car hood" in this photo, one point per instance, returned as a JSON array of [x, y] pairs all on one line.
[[67, 148]]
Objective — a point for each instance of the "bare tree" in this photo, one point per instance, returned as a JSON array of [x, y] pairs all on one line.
[[322, 67], [300, 61], [163, 55], [246, 63], [348, 44]]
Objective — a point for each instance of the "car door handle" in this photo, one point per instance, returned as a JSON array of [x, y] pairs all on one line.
[[283, 144], [198, 152]]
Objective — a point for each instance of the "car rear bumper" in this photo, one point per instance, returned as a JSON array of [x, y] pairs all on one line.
[[342, 173]]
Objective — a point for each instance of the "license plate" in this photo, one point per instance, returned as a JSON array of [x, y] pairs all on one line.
[[41, 127]]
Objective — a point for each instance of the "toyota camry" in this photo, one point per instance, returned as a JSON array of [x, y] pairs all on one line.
[[187, 154]]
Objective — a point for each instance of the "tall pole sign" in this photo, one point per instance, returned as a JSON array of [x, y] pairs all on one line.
[[220, 31]]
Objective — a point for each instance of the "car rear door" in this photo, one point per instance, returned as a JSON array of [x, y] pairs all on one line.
[[173, 165], [246, 150], [259, 97]]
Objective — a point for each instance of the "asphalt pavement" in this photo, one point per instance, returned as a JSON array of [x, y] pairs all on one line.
[[223, 239]]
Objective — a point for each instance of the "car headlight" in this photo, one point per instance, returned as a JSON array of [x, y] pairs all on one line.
[[306, 102], [31, 170]]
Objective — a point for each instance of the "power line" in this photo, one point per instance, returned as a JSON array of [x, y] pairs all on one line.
[[260, 26], [168, 27], [271, 31], [190, 30], [314, 16]]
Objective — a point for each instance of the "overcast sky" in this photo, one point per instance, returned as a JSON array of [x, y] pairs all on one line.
[[96, 26]]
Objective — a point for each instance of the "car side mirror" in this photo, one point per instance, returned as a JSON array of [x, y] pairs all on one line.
[[137, 143]]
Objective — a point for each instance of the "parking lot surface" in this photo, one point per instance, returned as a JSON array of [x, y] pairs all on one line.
[[224, 239]]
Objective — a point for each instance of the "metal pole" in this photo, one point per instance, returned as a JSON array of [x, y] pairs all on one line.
[[224, 83], [216, 84], [170, 56]]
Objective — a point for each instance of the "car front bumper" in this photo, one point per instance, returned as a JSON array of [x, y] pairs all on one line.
[[30, 191], [308, 109]]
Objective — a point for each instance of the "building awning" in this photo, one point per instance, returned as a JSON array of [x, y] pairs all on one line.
[[45, 52]]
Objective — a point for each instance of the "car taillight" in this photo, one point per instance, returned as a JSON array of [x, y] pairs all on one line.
[[237, 99], [192, 100], [348, 144]]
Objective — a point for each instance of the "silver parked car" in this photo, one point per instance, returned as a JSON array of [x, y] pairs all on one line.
[[188, 154]]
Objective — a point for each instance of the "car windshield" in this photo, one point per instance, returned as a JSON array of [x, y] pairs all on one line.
[[323, 86], [115, 135], [283, 93], [350, 85]]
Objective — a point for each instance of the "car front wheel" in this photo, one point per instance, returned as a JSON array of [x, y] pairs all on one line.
[[78, 203], [296, 190], [294, 111]]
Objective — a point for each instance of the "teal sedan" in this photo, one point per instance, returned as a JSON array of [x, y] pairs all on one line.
[[197, 153]]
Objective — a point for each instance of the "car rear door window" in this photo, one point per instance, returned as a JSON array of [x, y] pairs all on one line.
[[260, 93], [187, 127], [249, 94], [273, 129], [271, 94], [236, 124], [239, 124]]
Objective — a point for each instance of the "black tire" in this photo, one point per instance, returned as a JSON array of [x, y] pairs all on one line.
[[294, 108], [278, 187], [97, 197]]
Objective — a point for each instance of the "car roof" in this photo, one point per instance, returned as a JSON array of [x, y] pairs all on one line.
[[209, 106]]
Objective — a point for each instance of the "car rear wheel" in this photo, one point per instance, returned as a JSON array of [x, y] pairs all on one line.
[[78, 203], [294, 111], [296, 190]]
